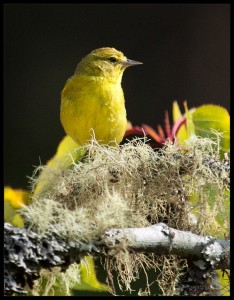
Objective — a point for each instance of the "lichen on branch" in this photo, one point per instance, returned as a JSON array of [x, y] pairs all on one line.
[[132, 185]]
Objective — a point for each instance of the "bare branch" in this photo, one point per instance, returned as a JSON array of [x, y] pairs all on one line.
[[162, 239]]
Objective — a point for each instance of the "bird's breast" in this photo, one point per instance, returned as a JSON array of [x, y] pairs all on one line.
[[93, 105]]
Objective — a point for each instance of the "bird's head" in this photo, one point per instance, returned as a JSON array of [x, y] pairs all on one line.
[[105, 62]]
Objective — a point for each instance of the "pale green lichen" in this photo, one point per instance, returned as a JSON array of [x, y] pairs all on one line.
[[134, 186]]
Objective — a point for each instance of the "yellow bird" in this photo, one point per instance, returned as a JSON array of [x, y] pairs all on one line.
[[92, 101]]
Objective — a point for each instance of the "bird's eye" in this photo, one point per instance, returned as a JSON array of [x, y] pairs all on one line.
[[112, 59]]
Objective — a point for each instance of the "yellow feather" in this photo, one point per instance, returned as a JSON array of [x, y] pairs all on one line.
[[92, 101]]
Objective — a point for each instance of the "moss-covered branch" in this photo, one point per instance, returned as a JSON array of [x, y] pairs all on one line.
[[134, 186], [26, 252]]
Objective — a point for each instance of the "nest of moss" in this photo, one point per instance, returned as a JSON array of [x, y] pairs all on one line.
[[133, 185]]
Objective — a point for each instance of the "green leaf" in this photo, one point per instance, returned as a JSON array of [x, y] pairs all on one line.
[[77, 279], [67, 152], [190, 123], [182, 134], [208, 117], [176, 112], [14, 199], [89, 281], [224, 282]]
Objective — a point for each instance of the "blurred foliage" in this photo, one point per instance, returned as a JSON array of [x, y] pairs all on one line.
[[89, 281], [14, 199], [208, 119]]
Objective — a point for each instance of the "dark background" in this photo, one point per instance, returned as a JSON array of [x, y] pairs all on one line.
[[185, 49]]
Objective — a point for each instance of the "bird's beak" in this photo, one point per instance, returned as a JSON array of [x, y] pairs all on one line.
[[129, 62]]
